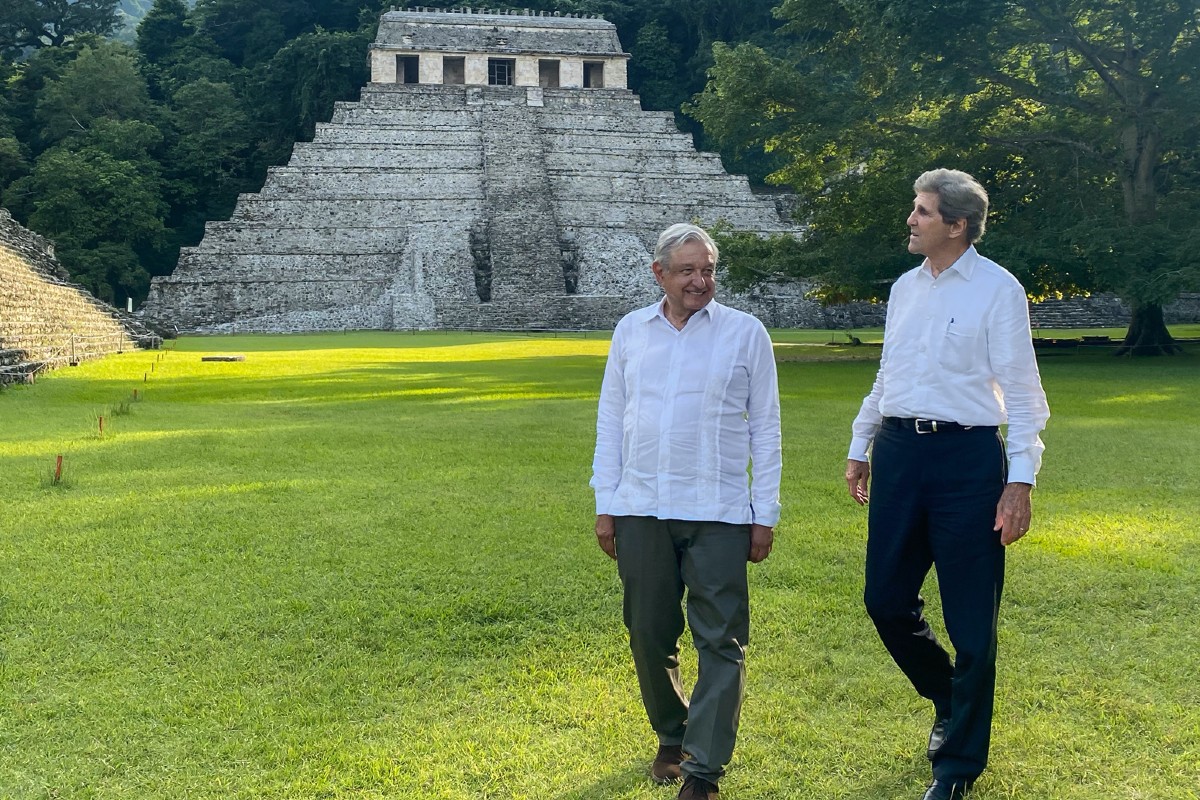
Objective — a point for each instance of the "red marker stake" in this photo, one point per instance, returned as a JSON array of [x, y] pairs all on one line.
[[58, 469]]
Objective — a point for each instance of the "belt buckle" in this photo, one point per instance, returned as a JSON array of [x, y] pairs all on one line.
[[931, 425]]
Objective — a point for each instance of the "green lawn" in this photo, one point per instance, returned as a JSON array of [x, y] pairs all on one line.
[[362, 566]]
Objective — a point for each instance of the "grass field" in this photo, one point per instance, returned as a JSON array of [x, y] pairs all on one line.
[[362, 566]]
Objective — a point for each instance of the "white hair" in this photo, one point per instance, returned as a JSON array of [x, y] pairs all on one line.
[[674, 236]]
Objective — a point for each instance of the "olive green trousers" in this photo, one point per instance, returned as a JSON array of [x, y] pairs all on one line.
[[659, 561]]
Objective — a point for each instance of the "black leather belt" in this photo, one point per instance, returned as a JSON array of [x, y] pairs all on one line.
[[919, 425]]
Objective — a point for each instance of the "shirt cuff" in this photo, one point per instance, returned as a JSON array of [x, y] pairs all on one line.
[[768, 516], [1022, 470], [858, 449]]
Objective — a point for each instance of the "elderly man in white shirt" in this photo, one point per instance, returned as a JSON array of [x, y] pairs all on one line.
[[689, 400], [957, 363]]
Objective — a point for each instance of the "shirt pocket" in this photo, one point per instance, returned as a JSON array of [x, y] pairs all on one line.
[[960, 349]]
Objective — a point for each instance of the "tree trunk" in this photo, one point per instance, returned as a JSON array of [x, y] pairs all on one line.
[[1148, 334]]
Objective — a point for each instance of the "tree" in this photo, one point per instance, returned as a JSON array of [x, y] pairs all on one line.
[[1078, 115], [103, 82], [13, 154], [100, 207], [33, 24], [301, 82], [655, 68], [163, 27], [207, 162]]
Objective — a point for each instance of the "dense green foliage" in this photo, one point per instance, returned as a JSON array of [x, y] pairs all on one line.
[[362, 566], [120, 153], [52, 23], [1079, 116]]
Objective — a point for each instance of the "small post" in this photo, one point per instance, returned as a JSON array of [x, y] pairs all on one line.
[[58, 469], [102, 425], [129, 304]]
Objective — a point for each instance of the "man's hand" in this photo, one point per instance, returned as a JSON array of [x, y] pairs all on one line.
[[857, 473], [761, 539], [1013, 512], [606, 534]]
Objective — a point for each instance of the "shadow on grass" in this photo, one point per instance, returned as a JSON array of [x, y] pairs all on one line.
[[613, 784], [438, 382], [360, 340]]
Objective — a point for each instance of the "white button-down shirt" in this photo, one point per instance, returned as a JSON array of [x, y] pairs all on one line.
[[957, 347], [682, 413]]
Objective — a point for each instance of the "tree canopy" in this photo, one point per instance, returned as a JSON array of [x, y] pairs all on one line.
[[31, 24], [1079, 116]]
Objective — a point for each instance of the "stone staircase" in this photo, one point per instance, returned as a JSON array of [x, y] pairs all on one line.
[[517, 209], [426, 206], [1096, 311], [484, 207], [46, 321]]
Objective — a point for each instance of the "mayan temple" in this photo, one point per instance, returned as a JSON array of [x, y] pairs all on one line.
[[495, 173]]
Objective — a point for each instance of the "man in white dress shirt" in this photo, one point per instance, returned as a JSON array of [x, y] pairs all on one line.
[[957, 363], [689, 399]]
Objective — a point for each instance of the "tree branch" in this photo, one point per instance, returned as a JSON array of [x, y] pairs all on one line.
[[1068, 31], [1032, 91], [1046, 138]]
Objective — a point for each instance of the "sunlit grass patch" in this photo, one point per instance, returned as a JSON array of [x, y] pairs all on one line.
[[361, 565]]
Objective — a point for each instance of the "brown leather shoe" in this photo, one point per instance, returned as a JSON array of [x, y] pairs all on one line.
[[665, 768], [695, 788]]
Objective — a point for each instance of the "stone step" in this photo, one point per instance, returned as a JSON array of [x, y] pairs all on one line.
[[45, 319], [370, 183], [306, 213]]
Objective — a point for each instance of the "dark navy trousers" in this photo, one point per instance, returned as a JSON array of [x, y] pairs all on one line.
[[933, 504]]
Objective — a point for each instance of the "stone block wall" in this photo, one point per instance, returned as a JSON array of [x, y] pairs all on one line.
[[45, 321], [428, 206]]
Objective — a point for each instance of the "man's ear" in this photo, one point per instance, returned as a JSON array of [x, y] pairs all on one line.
[[958, 228], [658, 271]]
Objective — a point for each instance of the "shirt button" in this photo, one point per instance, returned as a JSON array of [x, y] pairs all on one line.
[[922, 349]]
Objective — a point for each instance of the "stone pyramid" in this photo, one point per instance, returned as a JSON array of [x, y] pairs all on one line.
[[529, 200]]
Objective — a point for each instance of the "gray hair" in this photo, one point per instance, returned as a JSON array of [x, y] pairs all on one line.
[[674, 236], [959, 196]]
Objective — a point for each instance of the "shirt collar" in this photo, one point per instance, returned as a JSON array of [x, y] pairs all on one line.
[[657, 310], [964, 266]]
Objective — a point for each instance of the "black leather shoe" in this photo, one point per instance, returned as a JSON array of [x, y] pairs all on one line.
[[937, 737], [947, 790]]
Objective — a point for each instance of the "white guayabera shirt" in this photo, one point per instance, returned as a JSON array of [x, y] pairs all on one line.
[[958, 348], [682, 413]]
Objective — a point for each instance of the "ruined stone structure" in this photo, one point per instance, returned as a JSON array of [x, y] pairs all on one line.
[[46, 321], [496, 173]]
